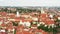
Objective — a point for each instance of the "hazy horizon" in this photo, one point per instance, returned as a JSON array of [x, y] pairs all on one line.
[[48, 3]]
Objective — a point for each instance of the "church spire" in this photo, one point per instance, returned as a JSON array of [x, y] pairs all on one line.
[[42, 10], [17, 14]]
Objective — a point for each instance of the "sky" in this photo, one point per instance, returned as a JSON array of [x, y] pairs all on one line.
[[30, 3]]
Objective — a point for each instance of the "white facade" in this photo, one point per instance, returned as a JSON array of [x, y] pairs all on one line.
[[51, 16], [27, 24], [1, 22], [58, 18]]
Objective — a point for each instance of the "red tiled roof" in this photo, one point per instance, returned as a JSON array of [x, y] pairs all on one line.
[[50, 22], [43, 15], [4, 13], [3, 24], [26, 32]]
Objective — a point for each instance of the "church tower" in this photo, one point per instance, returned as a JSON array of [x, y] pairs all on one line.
[[42, 10], [17, 14]]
